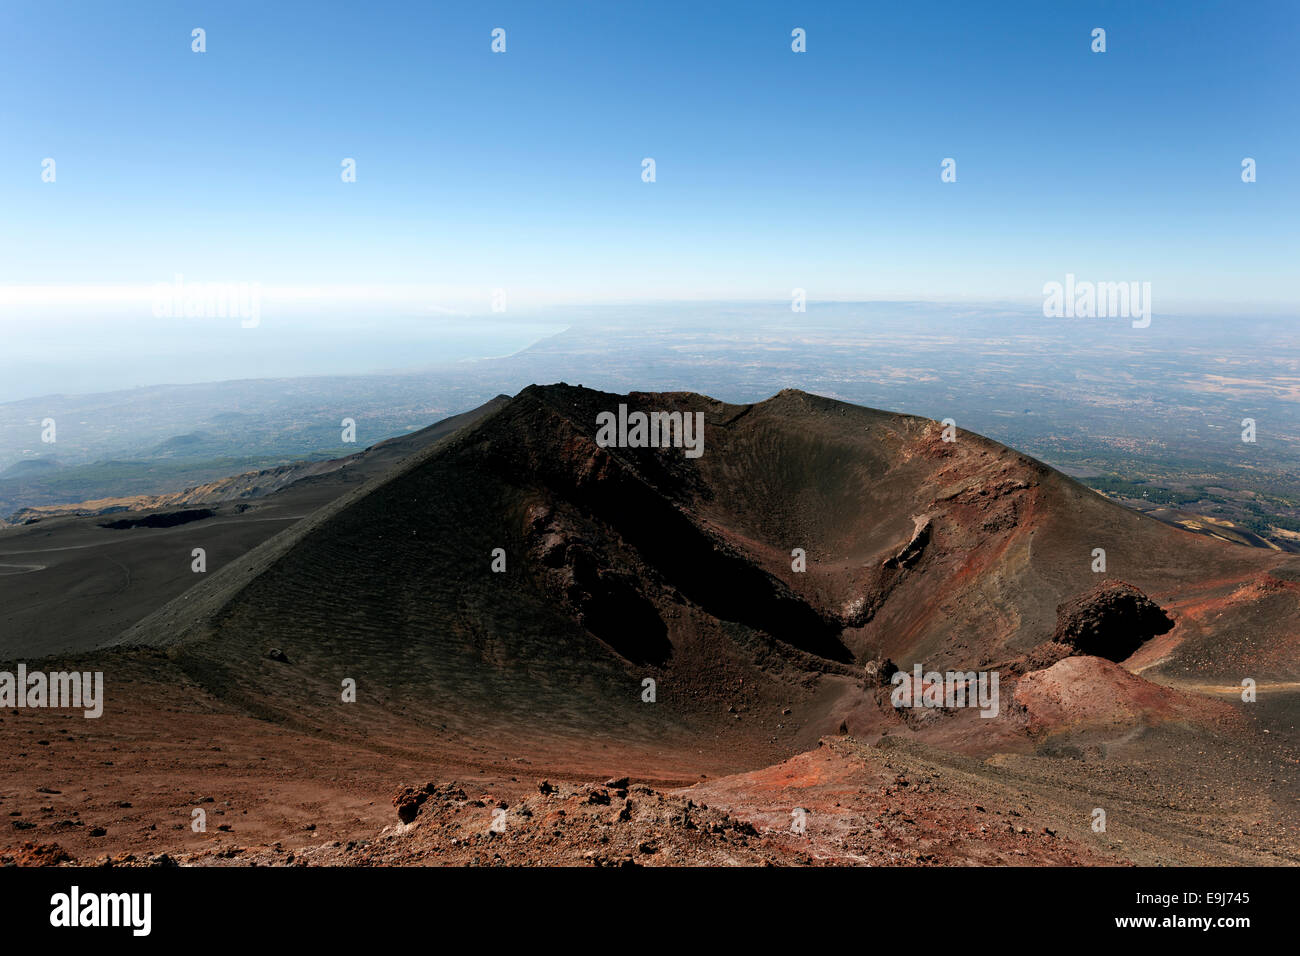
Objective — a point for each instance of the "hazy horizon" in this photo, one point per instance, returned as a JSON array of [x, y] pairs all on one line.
[[495, 186], [66, 356]]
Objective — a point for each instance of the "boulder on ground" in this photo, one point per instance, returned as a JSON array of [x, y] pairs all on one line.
[[1112, 620]]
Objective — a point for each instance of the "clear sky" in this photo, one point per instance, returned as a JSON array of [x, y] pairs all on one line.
[[775, 169]]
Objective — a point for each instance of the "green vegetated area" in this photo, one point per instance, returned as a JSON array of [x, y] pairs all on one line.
[[1249, 509], [1261, 520], [1141, 488]]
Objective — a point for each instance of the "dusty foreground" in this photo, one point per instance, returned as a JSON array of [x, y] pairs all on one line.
[[123, 790]]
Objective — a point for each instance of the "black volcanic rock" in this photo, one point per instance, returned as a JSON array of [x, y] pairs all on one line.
[[521, 584], [162, 520], [1112, 621]]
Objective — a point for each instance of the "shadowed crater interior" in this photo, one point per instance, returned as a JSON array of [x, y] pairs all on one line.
[[1112, 621]]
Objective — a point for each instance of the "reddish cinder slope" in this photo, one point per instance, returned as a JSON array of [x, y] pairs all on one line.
[[520, 597], [1091, 693], [625, 565]]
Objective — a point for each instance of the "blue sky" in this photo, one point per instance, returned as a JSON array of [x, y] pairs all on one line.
[[775, 170]]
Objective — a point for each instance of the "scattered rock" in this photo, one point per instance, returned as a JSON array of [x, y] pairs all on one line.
[[408, 801], [37, 854]]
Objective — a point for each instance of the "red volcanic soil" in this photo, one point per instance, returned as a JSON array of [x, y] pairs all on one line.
[[652, 621], [165, 748], [837, 804], [1090, 693]]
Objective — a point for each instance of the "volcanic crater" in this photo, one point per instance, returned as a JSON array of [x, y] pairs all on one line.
[[514, 603]]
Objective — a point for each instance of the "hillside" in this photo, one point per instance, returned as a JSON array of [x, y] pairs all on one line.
[[650, 621]]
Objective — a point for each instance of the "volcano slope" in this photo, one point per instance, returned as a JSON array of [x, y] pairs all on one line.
[[518, 601], [73, 577]]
